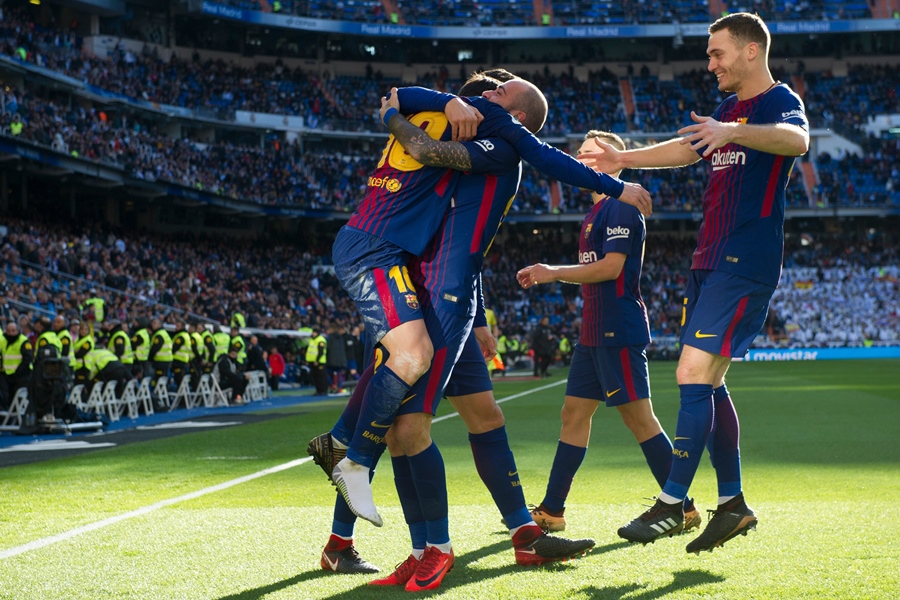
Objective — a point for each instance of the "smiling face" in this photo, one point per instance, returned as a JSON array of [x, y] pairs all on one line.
[[728, 60]]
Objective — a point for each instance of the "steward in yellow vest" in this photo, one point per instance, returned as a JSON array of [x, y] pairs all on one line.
[[316, 355], [181, 352], [160, 350], [120, 344], [84, 344], [102, 366], [18, 355], [238, 342], [140, 345]]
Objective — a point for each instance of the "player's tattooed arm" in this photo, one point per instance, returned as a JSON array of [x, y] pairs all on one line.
[[427, 150]]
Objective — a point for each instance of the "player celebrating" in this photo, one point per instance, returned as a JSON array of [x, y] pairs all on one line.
[[610, 361], [403, 207], [751, 140], [446, 278]]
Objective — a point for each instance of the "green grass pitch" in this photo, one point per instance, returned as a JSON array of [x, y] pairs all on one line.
[[821, 461]]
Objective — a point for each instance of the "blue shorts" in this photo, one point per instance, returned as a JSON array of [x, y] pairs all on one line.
[[448, 333], [613, 374], [470, 375], [374, 273], [723, 313]]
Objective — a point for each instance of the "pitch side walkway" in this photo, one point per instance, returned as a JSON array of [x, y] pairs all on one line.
[[22, 449]]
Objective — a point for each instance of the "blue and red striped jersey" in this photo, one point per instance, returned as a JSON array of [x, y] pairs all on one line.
[[614, 313], [743, 207], [405, 200], [447, 274], [500, 124]]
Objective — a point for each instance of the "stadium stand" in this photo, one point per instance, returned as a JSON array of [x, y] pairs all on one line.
[[110, 111], [516, 13]]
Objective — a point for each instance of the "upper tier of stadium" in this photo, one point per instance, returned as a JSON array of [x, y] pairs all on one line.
[[298, 134], [524, 13]]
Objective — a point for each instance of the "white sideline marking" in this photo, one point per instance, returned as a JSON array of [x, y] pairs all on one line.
[[52, 445], [61, 537], [66, 535], [187, 425]]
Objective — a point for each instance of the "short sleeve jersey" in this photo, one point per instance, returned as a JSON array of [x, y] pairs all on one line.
[[743, 206], [614, 313]]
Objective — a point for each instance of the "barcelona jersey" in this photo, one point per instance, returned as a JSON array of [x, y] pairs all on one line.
[[405, 201], [743, 207], [614, 313], [446, 275], [499, 123]]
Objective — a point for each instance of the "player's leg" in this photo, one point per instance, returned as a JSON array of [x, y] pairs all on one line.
[[329, 448], [724, 443], [583, 394], [386, 299], [471, 392], [627, 369], [412, 512], [340, 554]]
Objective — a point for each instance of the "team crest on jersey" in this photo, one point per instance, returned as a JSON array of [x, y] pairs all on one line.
[[391, 185], [412, 301], [587, 230]]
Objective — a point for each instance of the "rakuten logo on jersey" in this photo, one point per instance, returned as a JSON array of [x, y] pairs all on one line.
[[587, 257], [617, 233], [723, 160]]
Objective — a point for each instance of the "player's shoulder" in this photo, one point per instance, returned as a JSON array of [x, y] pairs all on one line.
[[785, 104], [616, 209]]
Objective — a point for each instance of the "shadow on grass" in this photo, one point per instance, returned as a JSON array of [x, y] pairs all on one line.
[[461, 576], [682, 580]]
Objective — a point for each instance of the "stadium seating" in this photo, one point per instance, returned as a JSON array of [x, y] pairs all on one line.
[[564, 12]]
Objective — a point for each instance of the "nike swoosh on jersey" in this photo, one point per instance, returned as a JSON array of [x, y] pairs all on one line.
[[407, 399], [681, 438], [379, 425], [511, 473], [700, 336], [608, 394]]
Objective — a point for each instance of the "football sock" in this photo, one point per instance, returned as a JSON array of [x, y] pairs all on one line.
[[445, 547], [409, 501], [565, 464], [691, 434], [724, 445], [658, 452], [346, 424], [344, 520], [496, 466], [382, 398], [429, 476]]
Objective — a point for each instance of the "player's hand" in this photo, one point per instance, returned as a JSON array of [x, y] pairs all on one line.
[[638, 197], [609, 160], [464, 119], [535, 274], [707, 132], [486, 341], [392, 100]]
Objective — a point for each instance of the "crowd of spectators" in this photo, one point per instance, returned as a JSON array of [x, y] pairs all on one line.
[[837, 290], [287, 174], [512, 13]]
